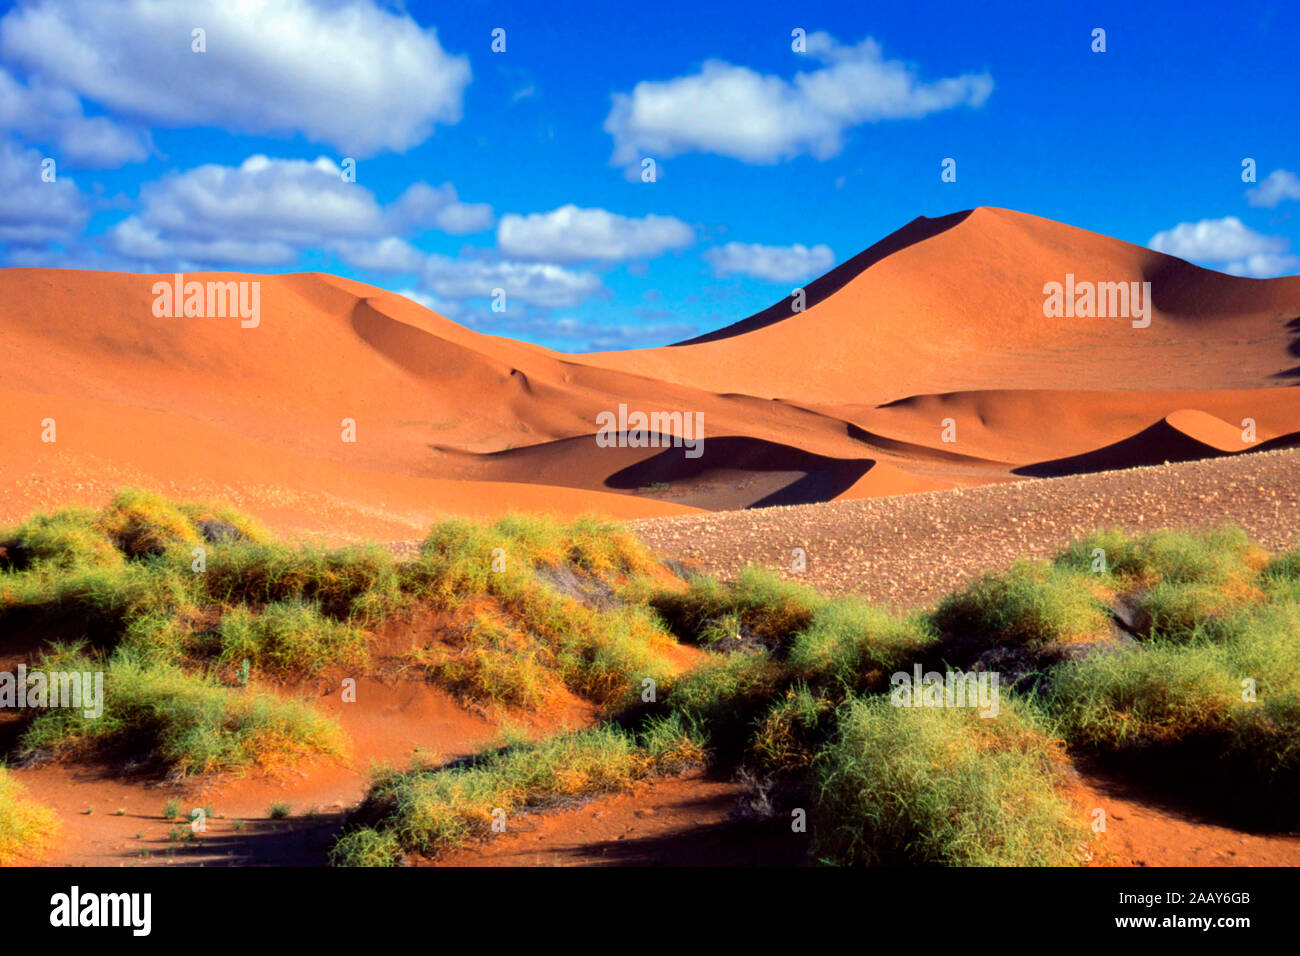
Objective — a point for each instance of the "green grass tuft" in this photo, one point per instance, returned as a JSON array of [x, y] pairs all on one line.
[[1031, 603], [940, 786]]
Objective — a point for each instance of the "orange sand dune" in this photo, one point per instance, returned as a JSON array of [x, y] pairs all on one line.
[[1204, 428], [958, 305], [924, 362], [1017, 426], [1186, 435]]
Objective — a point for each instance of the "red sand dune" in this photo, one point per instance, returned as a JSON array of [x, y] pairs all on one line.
[[925, 362]]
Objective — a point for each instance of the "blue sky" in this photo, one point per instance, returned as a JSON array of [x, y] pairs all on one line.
[[521, 170]]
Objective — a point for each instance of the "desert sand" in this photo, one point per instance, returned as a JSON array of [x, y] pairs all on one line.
[[926, 362]]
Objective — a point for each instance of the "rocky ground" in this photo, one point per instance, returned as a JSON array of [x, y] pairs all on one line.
[[910, 550]]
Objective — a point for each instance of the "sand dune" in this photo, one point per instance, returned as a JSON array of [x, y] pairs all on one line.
[[925, 362], [1186, 435], [961, 308]]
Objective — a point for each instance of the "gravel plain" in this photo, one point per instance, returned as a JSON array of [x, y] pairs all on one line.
[[908, 551]]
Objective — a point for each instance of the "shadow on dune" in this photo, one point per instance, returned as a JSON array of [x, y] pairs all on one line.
[[740, 472], [918, 230], [1155, 445], [909, 449], [1293, 347]]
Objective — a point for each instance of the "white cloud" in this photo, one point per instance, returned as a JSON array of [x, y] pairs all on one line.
[[423, 206], [608, 338], [760, 118], [345, 72], [582, 335], [72, 255], [390, 254], [774, 263], [1277, 186], [570, 234], [33, 211], [564, 332], [136, 240], [55, 117], [426, 300], [290, 200], [1216, 240], [541, 284], [1265, 265], [270, 207], [1231, 244]]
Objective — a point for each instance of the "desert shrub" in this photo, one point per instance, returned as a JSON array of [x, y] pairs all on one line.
[[143, 523], [601, 652], [101, 603], [428, 811], [367, 847], [1214, 557], [1177, 611], [491, 661], [246, 528], [758, 603], [902, 786], [788, 736], [1223, 709], [721, 700], [1285, 566], [1151, 694], [356, 582], [289, 637], [850, 643], [1031, 603], [65, 539], [188, 723], [457, 556]]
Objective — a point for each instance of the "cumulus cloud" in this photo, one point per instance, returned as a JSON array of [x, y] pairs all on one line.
[[291, 200], [137, 240], [423, 206], [603, 338], [564, 332], [1215, 240], [389, 254], [55, 117], [542, 284], [428, 301], [32, 211], [773, 263], [269, 208], [1265, 265], [1229, 244], [346, 72], [1279, 185], [570, 234], [761, 118]]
